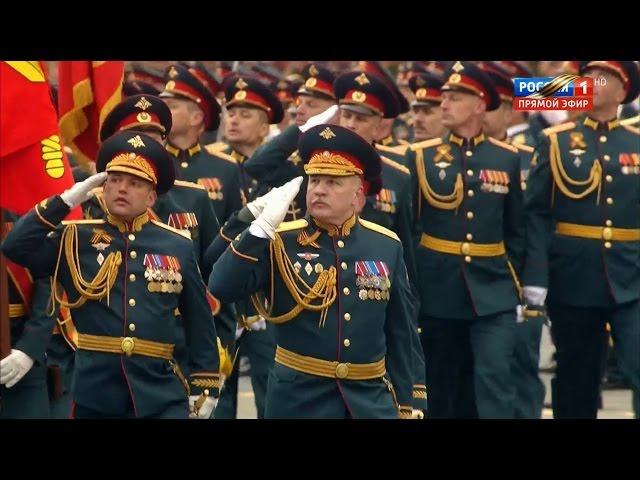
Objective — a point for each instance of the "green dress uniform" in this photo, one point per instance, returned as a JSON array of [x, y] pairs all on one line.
[[328, 364], [583, 226], [31, 325], [124, 282]]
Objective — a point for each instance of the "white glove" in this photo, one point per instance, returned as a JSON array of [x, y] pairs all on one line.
[[319, 119], [80, 192], [274, 212], [258, 325], [519, 316], [535, 295], [14, 367], [204, 412], [257, 206]]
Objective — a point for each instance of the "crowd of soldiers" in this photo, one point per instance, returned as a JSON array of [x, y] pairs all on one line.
[[377, 245]]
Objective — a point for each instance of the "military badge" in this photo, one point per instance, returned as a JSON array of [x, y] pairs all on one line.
[[372, 280], [162, 273], [494, 181], [386, 201], [213, 186], [629, 163]]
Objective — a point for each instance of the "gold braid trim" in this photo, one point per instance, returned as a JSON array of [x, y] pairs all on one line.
[[516, 281], [443, 202], [97, 288], [324, 288], [560, 175]]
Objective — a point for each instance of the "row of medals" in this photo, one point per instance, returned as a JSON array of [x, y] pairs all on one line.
[[161, 280], [373, 287], [385, 207]]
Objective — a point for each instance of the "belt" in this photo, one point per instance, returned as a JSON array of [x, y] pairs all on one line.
[[325, 368], [16, 310], [598, 233], [462, 248], [127, 345]]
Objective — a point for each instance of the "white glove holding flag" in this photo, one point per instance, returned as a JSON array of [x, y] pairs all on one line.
[[319, 119], [14, 367], [81, 191]]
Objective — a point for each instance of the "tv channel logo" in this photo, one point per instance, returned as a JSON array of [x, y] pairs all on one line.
[[564, 92]]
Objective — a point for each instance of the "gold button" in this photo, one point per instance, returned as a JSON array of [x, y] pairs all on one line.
[[133, 254], [340, 243], [469, 215], [132, 327], [607, 244], [347, 342], [467, 259], [184, 164], [419, 330], [342, 370], [607, 158], [346, 290], [603, 138], [347, 316], [470, 172], [465, 249], [132, 277], [470, 193], [609, 178], [132, 302], [609, 201], [344, 265], [468, 153], [127, 345], [132, 237], [469, 236], [607, 234], [609, 223]]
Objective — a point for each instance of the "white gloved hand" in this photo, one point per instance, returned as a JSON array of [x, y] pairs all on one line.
[[277, 208], [239, 330], [535, 295], [519, 315], [257, 206], [319, 119], [81, 191], [204, 412], [14, 367], [258, 325]]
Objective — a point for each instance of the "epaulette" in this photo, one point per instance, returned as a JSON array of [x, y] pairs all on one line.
[[504, 145], [395, 165], [216, 147], [523, 147], [292, 225], [632, 129], [224, 156], [378, 228], [630, 121], [182, 233], [432, 142], [183, 183], [398, 149], [87, 221], [559, 128]]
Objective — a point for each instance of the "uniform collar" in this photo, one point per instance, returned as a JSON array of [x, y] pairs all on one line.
[[595, 125], [237, 155], [335, 231], [475, 141], [124, 226], [190, 152], [386, 141]]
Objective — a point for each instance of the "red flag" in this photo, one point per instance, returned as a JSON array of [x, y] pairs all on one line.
[[87, 92], [33, 164]]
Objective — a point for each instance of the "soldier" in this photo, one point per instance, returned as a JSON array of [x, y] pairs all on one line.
[[122, 270], [426, 112], [23, 373], [518, 122], [142, 80], [339, 292], [529, 391], [194, 109], [469, 207], [277, 161], [583, 239]]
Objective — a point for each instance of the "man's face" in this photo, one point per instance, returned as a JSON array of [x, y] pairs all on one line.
[[308, 106], [333, 199], [496, 122], [458, 108], [247, 126], [127, 196], [551, 68], [427, 121], [367, 126], [608, 89], [185, 115]]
